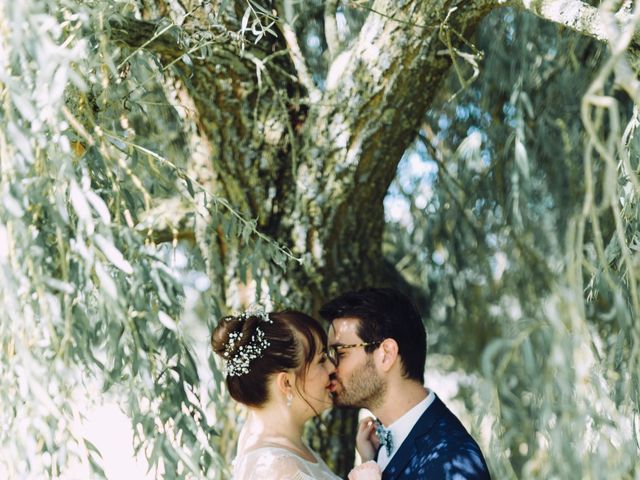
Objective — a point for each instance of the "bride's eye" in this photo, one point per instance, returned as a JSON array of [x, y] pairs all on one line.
[[323, 358]]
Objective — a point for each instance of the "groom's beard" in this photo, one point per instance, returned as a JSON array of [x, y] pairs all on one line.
[[364, 389]]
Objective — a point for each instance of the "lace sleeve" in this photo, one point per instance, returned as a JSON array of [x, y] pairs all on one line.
[[271, 465], [289, 468]]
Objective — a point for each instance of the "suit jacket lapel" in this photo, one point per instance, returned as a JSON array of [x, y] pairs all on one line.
[[408, 449]]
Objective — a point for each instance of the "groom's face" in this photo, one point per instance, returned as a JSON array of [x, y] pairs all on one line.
[[356, 381]]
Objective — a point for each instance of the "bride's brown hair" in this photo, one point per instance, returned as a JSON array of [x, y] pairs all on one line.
[[293, 338]]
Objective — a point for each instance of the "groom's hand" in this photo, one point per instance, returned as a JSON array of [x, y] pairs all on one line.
[[367, 442]]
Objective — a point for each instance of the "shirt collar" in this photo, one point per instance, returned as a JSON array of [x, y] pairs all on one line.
[[401, 428]]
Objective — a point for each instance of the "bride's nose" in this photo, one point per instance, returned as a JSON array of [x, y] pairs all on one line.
[[330, 367]]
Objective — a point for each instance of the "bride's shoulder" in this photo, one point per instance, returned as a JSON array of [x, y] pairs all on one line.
[[268, 462]]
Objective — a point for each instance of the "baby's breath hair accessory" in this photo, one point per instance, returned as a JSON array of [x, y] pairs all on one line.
[[239, 359], [256, 312]]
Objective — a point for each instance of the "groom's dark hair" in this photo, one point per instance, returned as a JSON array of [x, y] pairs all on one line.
[[385, 313]]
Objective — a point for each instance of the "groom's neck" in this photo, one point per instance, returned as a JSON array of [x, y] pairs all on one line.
[[401, 396]]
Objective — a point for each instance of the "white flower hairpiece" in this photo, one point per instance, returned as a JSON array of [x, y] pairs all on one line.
[[238, 364], [255, 312]]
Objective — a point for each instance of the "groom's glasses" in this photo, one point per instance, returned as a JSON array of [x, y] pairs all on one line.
[[332, 351]]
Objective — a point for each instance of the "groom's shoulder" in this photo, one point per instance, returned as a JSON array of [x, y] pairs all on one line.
[[448, 445]]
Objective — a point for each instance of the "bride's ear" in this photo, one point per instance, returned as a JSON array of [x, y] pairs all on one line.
[[284, 380]]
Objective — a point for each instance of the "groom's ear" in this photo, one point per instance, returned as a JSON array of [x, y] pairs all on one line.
[[388, 354]]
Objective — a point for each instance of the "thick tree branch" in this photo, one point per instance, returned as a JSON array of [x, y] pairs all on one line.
[[165, 42], [331, 28], [142, 34], [618, 29], [583, 18], [298, 60], [248, 101], [376, 95]]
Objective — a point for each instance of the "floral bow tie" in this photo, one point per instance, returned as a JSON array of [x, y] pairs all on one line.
[[385, 436]]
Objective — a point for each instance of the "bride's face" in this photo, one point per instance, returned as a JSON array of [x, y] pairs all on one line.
[[316, 387]]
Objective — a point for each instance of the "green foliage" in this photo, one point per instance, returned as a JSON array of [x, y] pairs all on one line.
[[519, 232], [94, 298]]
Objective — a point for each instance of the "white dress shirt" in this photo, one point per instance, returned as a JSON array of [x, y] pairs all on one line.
[[401, 428]]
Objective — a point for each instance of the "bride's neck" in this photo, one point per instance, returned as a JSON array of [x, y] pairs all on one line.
[[271, 426]]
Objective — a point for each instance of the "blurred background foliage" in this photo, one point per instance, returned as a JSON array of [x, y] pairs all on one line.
[[513, 219], [496, 225]]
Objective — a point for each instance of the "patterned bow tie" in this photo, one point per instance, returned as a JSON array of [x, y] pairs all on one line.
[[385, 436]]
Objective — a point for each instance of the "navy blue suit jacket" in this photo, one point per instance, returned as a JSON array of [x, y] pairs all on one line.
[[438, 447]]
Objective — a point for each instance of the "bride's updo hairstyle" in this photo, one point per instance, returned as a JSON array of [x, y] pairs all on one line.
[[263, 345]]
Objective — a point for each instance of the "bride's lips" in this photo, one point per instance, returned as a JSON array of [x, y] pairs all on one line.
[[332, 386]]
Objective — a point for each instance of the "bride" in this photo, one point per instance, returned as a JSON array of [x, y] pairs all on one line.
[[276, 365]]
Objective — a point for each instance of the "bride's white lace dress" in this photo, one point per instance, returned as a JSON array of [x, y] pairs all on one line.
[[275, 463]]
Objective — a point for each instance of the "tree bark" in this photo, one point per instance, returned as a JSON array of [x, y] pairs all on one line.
[[581, 17]]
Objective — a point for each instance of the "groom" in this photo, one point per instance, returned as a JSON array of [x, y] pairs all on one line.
[[379, 345]]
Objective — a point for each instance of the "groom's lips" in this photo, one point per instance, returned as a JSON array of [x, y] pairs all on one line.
[[332, 385]]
